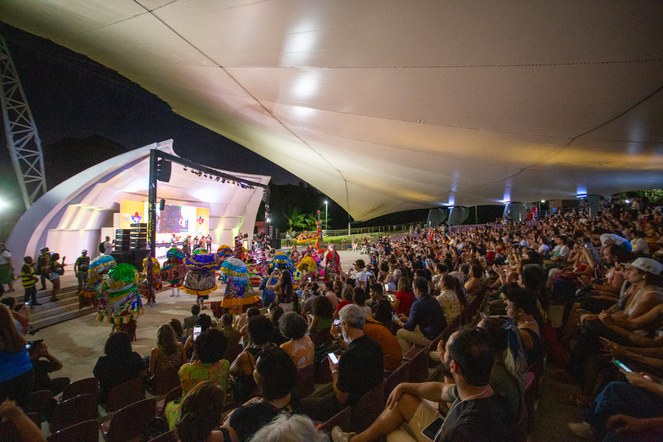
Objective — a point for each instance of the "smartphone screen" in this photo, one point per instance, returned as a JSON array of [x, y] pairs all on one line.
[[386, 288], [337, 322], [196, 331], [621, 365], [333, 358], [431, 430]]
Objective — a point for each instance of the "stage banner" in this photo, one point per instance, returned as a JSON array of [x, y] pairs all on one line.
[[132, 212]]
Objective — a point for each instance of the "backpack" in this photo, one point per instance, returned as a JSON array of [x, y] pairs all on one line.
[[101, 247]]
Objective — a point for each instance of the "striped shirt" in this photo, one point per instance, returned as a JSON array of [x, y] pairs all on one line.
[[28, 276]]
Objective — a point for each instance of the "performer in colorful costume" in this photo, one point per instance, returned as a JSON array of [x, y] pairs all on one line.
[[98, 268], [173, 270], [200, 279], [332, 262], [308, 267], [151, 274], [120, 302], [239, 292]]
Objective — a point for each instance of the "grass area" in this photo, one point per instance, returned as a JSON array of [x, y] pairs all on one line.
[[346, 240]]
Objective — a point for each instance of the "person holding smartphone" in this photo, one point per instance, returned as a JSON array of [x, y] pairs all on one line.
[[476, 414]]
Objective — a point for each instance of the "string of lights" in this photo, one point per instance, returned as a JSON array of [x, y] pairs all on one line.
[[220, 177]]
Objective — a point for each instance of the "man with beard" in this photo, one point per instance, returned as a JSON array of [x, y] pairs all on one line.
[[477, 413], [358, 370]]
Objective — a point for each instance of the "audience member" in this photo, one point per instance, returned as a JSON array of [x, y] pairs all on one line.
[[119, 364], [285, 428], [16, 372], [232, 334], [44, 363], [200, 416], [299, 346], [168, 353]]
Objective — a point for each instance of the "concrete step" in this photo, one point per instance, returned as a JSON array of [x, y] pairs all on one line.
[[61, 316]]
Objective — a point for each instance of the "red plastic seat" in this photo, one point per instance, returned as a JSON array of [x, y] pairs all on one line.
[[306, 381], [82, 386], [165, 381], [419, 366], [130, 422], [170, 436], [125, 394], [401, 374], [342, 419], [87, 431], [41, 402], [175, 393], [368, 408], [73, 411]]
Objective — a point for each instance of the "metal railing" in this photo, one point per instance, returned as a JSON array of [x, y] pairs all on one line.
[[366, 230]]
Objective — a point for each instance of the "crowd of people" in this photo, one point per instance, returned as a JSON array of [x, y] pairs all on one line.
[[584, 292]]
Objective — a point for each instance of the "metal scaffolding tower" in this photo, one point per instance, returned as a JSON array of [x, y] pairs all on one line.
[[21, 131]]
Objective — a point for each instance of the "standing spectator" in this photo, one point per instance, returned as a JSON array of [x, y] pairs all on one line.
[[43, 264], [359, 370], [209, 243], [81, 267], [283, 289], [16, 372], [21, 314], [6, 269], [108, 246], [44, 363], [29, 281]]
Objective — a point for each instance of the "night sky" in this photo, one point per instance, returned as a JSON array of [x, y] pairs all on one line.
[[73, 96]]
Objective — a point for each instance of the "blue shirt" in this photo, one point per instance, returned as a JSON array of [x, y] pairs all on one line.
[[426, 313], [14, 364]]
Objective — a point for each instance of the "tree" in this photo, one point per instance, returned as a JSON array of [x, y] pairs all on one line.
[[295, 219]]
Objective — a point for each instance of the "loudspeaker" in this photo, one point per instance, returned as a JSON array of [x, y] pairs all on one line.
[[163, 170], [162, 204]]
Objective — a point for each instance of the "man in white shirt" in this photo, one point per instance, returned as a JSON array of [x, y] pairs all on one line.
[[108, 246]]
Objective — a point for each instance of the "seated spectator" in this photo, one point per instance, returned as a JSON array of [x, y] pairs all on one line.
[[25, 427], [299, 346], [276, 376], [359, 298], [426, 320], [478, 413], [631, 410], [474, 285], [391, 349], [205, 323], [44, 363], [16, 372], [381, 307], [359, 370], [167, 354], [321, 320], [243, 321], [20, 312], [520, 306], [275, 315], [404, 298], [200, 416], [260, 332], [297, 428], [207, 365], [449, 299], [232, 334], [179, 331], [330, 293], [192, 320], [118, 365], [207, 362], [346, 298]]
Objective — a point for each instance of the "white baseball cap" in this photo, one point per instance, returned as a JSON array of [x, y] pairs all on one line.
[[647, 265]]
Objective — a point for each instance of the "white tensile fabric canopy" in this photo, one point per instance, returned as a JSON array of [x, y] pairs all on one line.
[[392, 105]]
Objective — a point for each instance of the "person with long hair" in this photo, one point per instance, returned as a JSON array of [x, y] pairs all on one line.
[[285, 294], [449, 298], [168, 353], [260, 330], [321, 320], [404, 297], [119, 364], [200, 416], [16, 372]]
